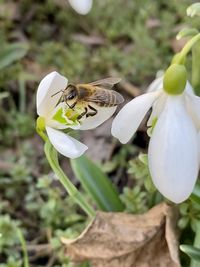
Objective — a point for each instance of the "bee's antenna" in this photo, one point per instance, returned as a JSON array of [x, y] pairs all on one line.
[[57, 93]]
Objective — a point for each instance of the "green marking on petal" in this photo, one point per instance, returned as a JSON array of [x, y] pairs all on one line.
[[150, 129], [68, 116], [58, 116]]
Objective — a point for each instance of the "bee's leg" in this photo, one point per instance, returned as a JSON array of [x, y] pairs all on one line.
[[72, 106], [91, 113], [82, 114]]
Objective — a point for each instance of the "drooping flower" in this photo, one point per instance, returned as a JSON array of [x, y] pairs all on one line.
[[81, 6], [193, 10], [173, 152], [56, 118]]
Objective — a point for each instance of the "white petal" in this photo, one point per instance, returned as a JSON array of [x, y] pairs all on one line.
[[189, 88], [65, 144], [102, 115], [131, 115], [50, 84], [173, 152], [157, 108], [193, 107], [81, 6], [157, 84]]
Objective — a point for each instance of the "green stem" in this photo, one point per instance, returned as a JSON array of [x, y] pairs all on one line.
[[52, 158], [196, 244], [186, 49], [22, 93], [196, 68], [41, 134], [24, 248]]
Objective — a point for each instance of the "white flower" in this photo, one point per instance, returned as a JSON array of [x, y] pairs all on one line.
[[81, 6], [173, 152], [60, 117], [193, 10]]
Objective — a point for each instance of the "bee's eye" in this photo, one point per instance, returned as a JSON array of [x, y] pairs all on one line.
[[71, 95]]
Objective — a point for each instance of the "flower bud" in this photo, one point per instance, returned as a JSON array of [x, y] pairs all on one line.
[[175, 79]]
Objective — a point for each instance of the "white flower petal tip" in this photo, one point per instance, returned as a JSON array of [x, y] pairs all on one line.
[[82, 7], [131, 115], [173, 152], [102, 115], [50, 84], [65, 144]]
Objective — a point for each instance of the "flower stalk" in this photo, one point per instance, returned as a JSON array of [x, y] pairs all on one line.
[[186, 49], [52, 158], [196, 68]]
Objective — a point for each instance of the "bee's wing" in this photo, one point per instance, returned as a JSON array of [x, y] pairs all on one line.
[[106, 83], [104, 96]]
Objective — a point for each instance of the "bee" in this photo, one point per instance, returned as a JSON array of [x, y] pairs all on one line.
[[91, 96]]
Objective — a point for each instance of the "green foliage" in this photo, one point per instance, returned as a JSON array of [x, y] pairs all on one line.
[[11, 262], [190, 210], [44, 208], [134, 199], [8, 233], [191, 251], [12, 52], [190, 215], [15, 125], [143, 195]]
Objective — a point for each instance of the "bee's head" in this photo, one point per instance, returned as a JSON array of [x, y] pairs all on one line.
[[70, 94]]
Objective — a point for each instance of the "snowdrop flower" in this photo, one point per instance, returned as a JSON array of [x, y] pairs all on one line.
[[193, 10], [81, 6], [56, 118], [175, 121]]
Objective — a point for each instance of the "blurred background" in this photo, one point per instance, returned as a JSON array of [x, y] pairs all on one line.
[[132, 39]]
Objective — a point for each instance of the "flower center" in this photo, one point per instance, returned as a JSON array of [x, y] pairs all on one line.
[[68, 116]]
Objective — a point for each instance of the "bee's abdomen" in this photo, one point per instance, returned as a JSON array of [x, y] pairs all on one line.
[[111, 98]]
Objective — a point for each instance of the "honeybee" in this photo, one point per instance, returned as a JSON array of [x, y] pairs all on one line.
[[91, 96]]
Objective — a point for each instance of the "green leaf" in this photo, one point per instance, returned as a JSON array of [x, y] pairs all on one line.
[[97, 184], [192, 252], [195, 196], [11, 53], [183, 222]]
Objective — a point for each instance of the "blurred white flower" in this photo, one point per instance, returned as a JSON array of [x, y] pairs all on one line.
[[173, 152], [59, 117], [81, 6], [193, 10]]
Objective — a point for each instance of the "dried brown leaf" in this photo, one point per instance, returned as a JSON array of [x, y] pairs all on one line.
[[153, 23], [88, 40], [120, 239]]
